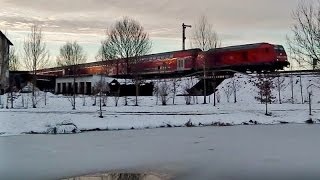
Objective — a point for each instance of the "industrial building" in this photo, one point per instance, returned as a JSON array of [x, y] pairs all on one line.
[[5, 44]]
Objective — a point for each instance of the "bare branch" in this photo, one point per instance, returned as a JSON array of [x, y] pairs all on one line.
[[204, 36], [36, 56], [71, 54], [126, 40], [13, 60], [304, 43]]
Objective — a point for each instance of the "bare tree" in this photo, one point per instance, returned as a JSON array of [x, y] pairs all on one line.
[[292, 88], [36, 56], [265, 86], [186, 89], [127, 40], [164, 89], [175, 86], [218, 97], [301, 89], [304, 43], [101, 88], [13, 66], [228, 91], [156, 91], [72, 54], [13, 60], [105, 53], [280, 85], [205, 38], [235, 87], [116, 97]]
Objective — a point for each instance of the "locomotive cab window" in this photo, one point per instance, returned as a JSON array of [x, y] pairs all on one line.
[[279, 48]]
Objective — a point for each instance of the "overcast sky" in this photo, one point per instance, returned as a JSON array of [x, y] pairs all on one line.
[[236, 21]]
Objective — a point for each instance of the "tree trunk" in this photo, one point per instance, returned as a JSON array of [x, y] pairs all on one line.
[[234, 92], [11, 94], [100, 103], [214, 98], [292, 100], [74, 88], [279, 90], [214, 92], [34, 80], [266, 104], [125, 80], [7, 105], [174, 91], [45, 98], [125, 97], [22, 100], [204, 86], [95, 100], [137, 90]]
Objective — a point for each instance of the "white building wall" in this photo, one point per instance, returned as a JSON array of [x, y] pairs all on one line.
[[93, 80]]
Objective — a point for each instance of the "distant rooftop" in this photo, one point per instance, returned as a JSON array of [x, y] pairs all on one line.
[[1, 34]]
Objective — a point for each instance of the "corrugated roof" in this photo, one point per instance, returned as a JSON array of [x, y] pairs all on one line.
[[1, 34]]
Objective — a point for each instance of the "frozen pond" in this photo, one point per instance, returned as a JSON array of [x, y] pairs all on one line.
[[239, 152]]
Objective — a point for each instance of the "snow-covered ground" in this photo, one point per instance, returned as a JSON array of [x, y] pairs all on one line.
[[58, 112], [229, 153]]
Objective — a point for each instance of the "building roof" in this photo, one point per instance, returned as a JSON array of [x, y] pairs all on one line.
[[1, 34]]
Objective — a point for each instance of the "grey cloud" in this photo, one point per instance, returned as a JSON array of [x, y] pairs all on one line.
[[161, 18]]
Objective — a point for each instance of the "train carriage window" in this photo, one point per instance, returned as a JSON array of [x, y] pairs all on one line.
[[180, 64]]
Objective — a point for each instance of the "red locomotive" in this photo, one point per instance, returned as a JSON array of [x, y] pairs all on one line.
[[250, 57]]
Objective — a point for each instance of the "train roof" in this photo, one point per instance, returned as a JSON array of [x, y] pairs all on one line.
[[170, 52], [144, 56], [97, 63], [240, 47]]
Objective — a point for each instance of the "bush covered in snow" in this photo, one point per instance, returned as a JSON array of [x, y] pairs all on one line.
[[66, 127]]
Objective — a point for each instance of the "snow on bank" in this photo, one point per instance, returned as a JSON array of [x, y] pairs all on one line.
[[58, 117]]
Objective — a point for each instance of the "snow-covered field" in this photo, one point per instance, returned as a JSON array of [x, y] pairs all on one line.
[[58, 111]]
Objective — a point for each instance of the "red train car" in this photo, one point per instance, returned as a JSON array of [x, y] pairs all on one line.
[[253, 57], [167, 63]]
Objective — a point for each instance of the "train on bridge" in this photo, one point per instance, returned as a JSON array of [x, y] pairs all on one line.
[[250, 57], [218, 63]]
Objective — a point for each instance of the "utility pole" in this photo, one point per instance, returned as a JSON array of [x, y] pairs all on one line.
[[301, 89], [184, 26]]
